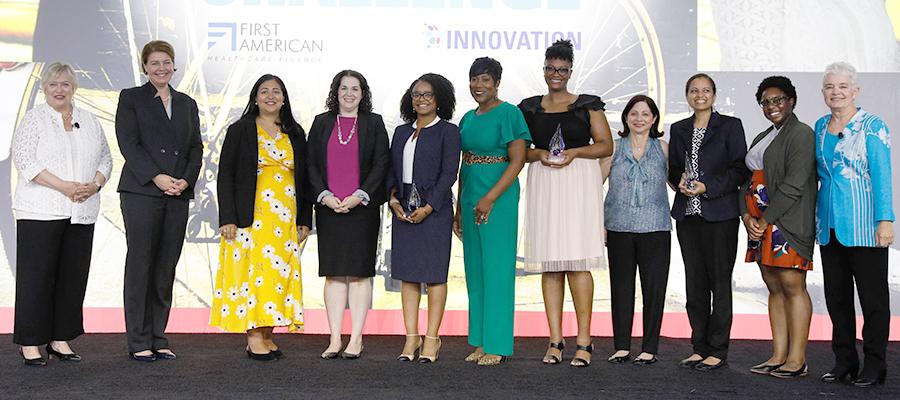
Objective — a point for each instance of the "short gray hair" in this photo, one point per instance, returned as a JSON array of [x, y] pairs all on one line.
[[53, 70], [841, 68]]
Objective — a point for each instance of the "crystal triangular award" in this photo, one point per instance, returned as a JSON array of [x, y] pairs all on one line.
[[415, 200], [557, 145]]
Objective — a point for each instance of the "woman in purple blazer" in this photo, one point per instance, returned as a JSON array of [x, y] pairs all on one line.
[[424, 165]]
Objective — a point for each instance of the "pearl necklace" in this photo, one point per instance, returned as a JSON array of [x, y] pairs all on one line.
[[352, 130]]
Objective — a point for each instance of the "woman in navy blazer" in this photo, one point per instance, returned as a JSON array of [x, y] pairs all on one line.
[[425, 156], [158, 130], [706, 214]]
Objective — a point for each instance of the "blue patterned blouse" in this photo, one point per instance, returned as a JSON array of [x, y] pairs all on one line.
[[855, 183]]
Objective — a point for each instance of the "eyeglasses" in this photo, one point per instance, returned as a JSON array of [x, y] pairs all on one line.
[[422, 95], [775, 101], [564, 71]]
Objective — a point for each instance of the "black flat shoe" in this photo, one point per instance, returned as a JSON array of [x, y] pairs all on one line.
[[868, 381], [350, 356], [261, 357], [641, 361], [329, 355], [840, 375], [164, 355], [147, 358], [703, 367], [689, 364], [278, 353], [764, 369], [34, 362], [783, 373], [619, 360], [73, 357]]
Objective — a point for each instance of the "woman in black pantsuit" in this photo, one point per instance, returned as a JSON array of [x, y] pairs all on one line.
[[706, 214], [158, 130], [348, 162]]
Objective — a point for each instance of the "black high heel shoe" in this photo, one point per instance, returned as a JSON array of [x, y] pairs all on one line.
[[579, 362], [865, 381], [34, 362], [51, 352], [551, 359], [840, 375]]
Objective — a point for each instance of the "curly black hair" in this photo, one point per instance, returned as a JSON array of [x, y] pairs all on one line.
[[365, 104], [778, 82], [486, 65], [444, 97], [654, 129], [288, 124], [561, 50]]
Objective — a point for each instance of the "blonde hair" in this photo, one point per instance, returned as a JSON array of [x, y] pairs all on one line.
[[55, 69]]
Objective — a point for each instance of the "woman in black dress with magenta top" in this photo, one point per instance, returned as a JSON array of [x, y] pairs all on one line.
[[425, 156], [348, 161]]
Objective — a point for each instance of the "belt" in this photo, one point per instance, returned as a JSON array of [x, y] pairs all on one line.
[[471, 158]]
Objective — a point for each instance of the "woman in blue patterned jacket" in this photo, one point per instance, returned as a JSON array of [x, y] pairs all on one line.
[[854, 226]]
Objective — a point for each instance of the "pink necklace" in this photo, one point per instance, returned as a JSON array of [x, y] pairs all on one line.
[[352, 130]]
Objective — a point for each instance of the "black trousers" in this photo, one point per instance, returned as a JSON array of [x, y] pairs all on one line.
[[54, 258], [650, 253], [709, 250], [154, 232], [868, 266]]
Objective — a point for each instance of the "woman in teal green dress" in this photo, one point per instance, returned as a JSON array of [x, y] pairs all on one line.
[[494, 139]]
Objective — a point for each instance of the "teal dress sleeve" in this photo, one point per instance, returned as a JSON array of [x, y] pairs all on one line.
[[513, 125]]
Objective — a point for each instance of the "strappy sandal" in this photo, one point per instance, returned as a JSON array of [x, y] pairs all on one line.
[[430, 359], [579, 362], [491, 360], [551, 359], [415, 352], [476, 355]]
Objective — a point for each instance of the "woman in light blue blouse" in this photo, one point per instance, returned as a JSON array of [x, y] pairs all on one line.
[[854, 219], [638, 227]]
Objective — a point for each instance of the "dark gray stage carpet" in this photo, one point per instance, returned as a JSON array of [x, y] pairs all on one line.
[[215, 366]]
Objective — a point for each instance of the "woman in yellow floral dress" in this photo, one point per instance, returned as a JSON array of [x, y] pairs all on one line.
[[263, 219]]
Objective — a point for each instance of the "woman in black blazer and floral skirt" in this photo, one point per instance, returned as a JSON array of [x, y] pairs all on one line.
[[348, 163], [706, 214]]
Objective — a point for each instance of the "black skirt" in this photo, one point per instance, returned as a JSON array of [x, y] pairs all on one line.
[[348, 243]]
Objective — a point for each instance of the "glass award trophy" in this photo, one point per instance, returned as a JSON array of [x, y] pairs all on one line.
[[690, 173], [414, 201], [557, 145]]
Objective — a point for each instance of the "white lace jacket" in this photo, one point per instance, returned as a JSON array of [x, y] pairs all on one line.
[[40, 143]]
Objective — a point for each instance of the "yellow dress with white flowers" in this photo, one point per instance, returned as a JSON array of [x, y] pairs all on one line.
[[258, 282]]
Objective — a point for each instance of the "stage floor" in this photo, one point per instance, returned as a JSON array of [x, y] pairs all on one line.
[[215, 366]]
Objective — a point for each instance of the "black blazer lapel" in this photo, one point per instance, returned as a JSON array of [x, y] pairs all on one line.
[[363, 136], [324, 137], [711, 128]]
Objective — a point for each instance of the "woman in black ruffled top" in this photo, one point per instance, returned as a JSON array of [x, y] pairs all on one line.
[[564, 194]]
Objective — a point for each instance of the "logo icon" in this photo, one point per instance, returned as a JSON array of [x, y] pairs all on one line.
[[217, 30], [432, 37]]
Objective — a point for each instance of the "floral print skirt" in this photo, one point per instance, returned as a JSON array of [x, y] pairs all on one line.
[[773, 250]]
